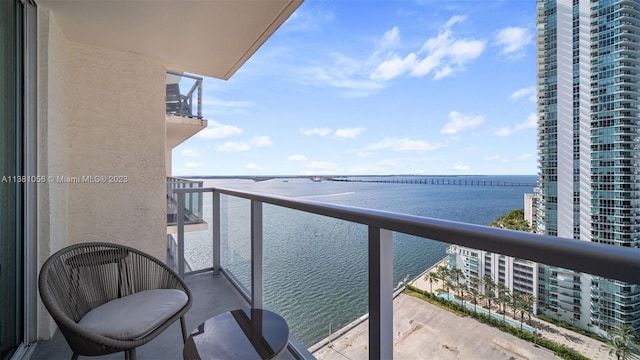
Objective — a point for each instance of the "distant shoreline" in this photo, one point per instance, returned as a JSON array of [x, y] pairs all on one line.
[[268, 177]]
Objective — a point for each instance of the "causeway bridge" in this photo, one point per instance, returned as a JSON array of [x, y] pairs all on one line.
[[439, 181]]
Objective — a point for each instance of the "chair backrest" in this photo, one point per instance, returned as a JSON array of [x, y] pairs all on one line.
[[79, 278]]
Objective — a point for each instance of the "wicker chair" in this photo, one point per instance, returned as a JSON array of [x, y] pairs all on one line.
[[107, 298]]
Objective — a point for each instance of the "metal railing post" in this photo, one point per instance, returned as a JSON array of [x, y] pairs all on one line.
[[256, 255], [215, 230], [180, 215], [380, 293], [199, 98]]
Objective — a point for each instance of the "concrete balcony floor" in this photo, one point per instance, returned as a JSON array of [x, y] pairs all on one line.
[[212, 295]]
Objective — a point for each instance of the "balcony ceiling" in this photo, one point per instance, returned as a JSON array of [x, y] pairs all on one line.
[[208, 37]]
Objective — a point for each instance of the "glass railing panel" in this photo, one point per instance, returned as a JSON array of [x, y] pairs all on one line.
[[324, 285], [198, 245], [235, 231], [193, 210], [183, 94]]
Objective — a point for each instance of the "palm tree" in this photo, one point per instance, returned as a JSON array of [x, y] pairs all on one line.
[[515, 300], [474, 284], [431, 278], [457, 274], [573, 321], [618, 347], [528, 301], [448, 284], [473, 291], [489, 291], [629, 335], [521, 307], [442, 273], [464, 290], [503, 298]]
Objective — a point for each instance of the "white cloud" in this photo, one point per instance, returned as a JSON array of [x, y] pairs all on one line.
[[390, 38], [261, 141], [316, 131], [297, 157], [459, 121], [307, 18], [349, 132], [492, 158], [394, 67], [215, 130], [523, 157], [414, 145], [366, 153], [190, 153], [460, 167], [403, 144], [442, 55], [347, 74], [530, 123], [529, 91], [194, 165], [252, 166], [513, 41], [234, 147]]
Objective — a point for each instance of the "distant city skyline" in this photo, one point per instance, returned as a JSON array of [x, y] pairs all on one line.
[[414, 87]]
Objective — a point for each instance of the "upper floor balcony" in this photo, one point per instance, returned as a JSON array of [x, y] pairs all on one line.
[[184, 94], [183, 103]]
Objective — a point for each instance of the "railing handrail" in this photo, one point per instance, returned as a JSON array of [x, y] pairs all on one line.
[[614, 262], [176, 73], [180, 180]]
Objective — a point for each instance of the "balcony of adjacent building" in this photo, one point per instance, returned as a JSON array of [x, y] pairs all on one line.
[[183, 109], [192, 211]]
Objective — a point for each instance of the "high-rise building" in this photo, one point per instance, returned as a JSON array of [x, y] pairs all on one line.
[[531, 208], [589, 149]]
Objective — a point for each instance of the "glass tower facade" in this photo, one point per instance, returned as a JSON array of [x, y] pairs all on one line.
[[589, 149]]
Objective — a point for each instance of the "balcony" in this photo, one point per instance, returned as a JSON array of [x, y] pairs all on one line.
[[238, 270], [183, 102], [192, 212], [179, 102]]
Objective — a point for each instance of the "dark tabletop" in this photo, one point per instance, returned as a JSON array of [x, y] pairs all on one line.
[[239, 334]]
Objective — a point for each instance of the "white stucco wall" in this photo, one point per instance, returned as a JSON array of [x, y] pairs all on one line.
[[100, 113], [116, 130]]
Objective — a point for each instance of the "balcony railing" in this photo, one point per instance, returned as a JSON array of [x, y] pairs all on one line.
[[182, 103], [602, 260], [191, 211]]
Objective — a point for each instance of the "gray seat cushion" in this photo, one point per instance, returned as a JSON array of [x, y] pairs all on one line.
[[135, 315]]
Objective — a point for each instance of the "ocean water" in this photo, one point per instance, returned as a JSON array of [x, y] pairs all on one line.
[[315, 268]]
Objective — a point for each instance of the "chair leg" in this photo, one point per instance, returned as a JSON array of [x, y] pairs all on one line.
[[183, 325], [130, 354]]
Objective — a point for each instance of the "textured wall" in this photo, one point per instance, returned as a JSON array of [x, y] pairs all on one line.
[[52, 145], [116, 128]]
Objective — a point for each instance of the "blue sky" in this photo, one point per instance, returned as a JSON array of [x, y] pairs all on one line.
[[378, 87]]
